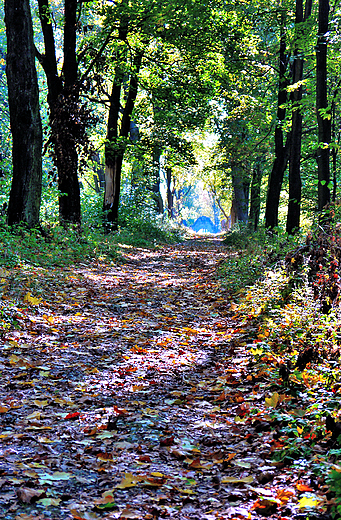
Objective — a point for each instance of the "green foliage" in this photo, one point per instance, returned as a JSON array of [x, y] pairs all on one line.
[[334, 481], [139, 225], [255, 252]]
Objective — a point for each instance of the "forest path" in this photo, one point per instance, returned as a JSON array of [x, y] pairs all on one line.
[[124, 393]]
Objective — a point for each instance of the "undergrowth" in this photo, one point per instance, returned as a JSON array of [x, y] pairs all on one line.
[[287, 294], [56, 246]]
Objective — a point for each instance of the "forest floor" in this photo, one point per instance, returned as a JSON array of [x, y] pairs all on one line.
[[127, 392]]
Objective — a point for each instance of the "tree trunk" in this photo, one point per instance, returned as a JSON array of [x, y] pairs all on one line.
[[295, 183], [23, 97], [281, 150], [156, 180], [323, 118], [241, 187], [117, 135], [63, 100], [255, 196], [170, 193]]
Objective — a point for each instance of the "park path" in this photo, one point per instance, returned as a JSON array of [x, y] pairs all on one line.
[[126, 394]]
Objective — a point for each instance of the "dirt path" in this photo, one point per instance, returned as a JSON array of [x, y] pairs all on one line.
[[124, 393]]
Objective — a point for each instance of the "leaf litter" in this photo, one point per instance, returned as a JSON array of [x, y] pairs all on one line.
[[127, 392]]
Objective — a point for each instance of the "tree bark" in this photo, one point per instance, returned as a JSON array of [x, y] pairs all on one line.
[[156, 180], [63, 100], [241, 187], [117, 135], [295, 183], [281, 150], [323, 119], [23, 97], [170, 194], [255, 195]]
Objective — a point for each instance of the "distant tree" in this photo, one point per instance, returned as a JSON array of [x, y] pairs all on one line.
[[23, 97]]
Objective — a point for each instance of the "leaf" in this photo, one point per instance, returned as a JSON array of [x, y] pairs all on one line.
[[129, 480], [84, 515], [130, 513], [49, 502], [168, 441], [28, 495], [72, 416], [32, 300], [233, 480], [308, 502], [104, 456], [107, 501], [54, 477], [41, 404], [271, 402], [303, 487], [3, 409], [34, 415]]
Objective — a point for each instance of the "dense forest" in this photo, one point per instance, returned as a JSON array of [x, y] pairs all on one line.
[[136, 104], [170, 241]]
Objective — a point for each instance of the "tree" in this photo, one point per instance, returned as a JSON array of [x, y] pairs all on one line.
[[323, 113], [146, 38], [63, 97], [23, 97], [275, 180], [295, 183]]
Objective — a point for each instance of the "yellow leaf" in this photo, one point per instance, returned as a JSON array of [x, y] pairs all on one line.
[[34, 415], [300, 430], [41, 404], [308, 502], [3, 409], [49, 319], [14, 359], [271, 402], [128, 481], [233, 480], [31, 299]]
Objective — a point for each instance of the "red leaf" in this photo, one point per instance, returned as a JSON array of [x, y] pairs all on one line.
[[168, 441], [72, 416]]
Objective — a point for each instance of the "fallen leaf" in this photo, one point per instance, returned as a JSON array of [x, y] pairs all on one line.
[[303, 487], [84, 515], [129, 480], [41, 404], [271, 402], [31, 299], [308, 502], [72, 416], [234, 480], [49, 502], [129, 513], [29, 495]]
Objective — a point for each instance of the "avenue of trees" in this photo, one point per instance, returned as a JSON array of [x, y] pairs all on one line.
[[126, 95]]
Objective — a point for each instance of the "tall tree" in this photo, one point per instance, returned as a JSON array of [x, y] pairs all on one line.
[[63, 100], [295, 183], [323, 114], [122, 101], [281, 148], [25, 195]]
